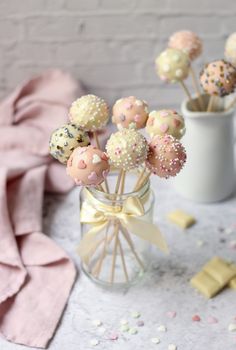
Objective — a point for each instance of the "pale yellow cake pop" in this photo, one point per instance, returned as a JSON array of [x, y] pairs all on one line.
[[165, 121], [130, 110], [172, 65], [127, 149], [230, 49], [65, 139], [90, 112]]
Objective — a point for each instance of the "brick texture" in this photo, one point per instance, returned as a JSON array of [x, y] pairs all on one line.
[[109, 44]]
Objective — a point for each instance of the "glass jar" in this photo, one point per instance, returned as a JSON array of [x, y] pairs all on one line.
[[112, 253]]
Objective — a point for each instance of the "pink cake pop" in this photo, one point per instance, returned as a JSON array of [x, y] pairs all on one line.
[[188, 42], [166, 156], [88, 166], [130, 110]]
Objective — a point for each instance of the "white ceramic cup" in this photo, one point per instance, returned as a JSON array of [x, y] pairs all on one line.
[[209, 173]]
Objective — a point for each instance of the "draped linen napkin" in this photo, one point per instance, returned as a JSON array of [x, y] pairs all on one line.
[[36, 275]]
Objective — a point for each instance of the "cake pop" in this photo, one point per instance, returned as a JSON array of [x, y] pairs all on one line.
[[166, 156], [130, 110], [88, 166], [127, 149], [172, 65], [90, 112], [230, 49], [65, 139], [188, 42], [165, 121], [218, 78]]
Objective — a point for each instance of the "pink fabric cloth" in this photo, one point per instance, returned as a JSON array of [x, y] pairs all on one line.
[[36, 275]]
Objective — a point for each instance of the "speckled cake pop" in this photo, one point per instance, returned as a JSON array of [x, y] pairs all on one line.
[[88, 166], [90, 112], [127, 149], [218, 78], [173, 65], [188, 42], [130, 110], [166, 156], [230, 49], [65, 139], [165, 121]]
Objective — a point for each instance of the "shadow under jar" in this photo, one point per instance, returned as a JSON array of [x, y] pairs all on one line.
[[112, 252]]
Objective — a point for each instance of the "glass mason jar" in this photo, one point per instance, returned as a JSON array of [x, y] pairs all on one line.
[[112, 253]]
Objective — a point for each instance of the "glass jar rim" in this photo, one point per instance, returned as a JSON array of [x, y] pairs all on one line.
[[120, 198]]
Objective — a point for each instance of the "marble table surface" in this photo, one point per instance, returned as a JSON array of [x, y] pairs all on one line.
[[164, 288]]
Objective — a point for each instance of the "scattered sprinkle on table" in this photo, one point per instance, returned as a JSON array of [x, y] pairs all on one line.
[[232, 244], [113, 336], [133, 331], [196, 318], [162, 328], [123, 322], [124, 328], [172, 347], [200, 243], [140, 323], [94, 342], [171, 314], [97, 323], [232, 327], [155, 340], [212, 320], [181, 218], [135, 314]]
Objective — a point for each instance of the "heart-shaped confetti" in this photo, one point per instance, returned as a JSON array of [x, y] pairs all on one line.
[[164, 127], [177, 123], [137, 118], [96, 159], [81, 164], [93, 176]]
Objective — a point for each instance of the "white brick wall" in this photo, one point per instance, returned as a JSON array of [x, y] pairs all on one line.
[[109, 44]]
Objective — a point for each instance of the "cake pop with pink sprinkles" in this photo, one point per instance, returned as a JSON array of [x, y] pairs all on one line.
[[166, 156], [130, 110], [88, 166], [188, 42]]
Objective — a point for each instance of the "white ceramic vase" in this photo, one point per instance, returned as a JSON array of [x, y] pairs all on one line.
[[209, 173]]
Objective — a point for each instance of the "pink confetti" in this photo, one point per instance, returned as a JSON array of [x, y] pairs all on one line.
[[171, 314], [113, 336], [212, 320], [196, 318], [140, 323]]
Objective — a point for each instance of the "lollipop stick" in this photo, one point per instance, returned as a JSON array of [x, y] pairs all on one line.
[[116, 233], [196, 87], [95, 135], [139, 178], [231, 105], [123, 260], [188, 94], [131, 245], [143, 180], [210, 104], [122, 185]]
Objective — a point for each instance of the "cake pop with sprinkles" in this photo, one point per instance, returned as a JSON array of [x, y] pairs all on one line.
[[218, 78], [166, 156], [230, 49], [90, 112], [65, 139], [130, 110], [173, 65], [188, 42], [88, 166], [165, 121], [127, 149]]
